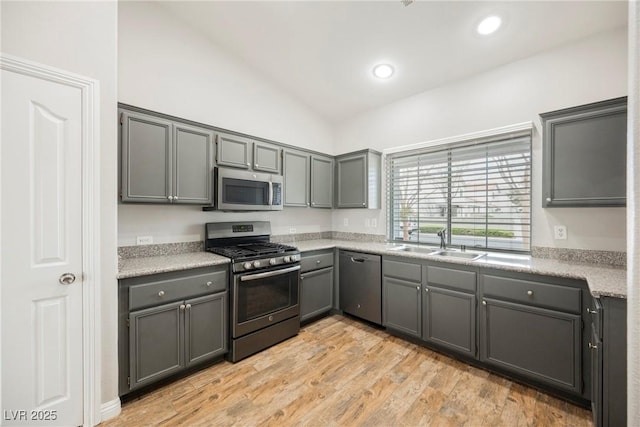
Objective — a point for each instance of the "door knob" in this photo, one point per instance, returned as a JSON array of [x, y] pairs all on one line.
[[67, 278]]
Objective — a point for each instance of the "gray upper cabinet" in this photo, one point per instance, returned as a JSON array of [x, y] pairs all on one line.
[[358, 180], [233, 151], [584, 155], [296, 178], [165, 161], [321, 182], [147, 150], [266, 157], [192, 153]]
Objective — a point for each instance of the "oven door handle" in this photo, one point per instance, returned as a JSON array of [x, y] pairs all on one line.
[[268, 274]]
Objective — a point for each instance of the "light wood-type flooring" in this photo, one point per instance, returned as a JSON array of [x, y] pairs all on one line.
[[341, 372]]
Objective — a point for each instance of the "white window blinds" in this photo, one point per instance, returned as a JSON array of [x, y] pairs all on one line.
[[479, 191]]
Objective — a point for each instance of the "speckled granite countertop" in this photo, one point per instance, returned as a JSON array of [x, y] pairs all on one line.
[[133, 267], [602, 280]]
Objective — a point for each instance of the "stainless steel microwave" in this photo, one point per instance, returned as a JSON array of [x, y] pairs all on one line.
[[239, 190]]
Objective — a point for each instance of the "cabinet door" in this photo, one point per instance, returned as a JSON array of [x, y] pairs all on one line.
[[584, 155], [156, 343], [361, 285], [596, 377], [316, 292], [321, 182], [147, 143], [233, 151], [352, 182], [449, 319], [205, 328], [192, 171], [296, 178], [401, 305], [544, 345], [266, 157]]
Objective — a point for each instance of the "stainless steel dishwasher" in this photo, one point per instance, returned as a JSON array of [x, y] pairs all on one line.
[[360, 284]]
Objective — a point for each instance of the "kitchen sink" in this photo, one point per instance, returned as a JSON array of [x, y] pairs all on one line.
[[405, 248], [471, 256]]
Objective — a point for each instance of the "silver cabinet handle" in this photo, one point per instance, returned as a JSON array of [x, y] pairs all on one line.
[[548, 199], [593, 347], [67, 278], [426, 289], [529, 293], [175, 197], [170, 197], [209, 284], [358, 305], [256, 165], [248, 164], [161, 293], [188, 306], [418, 287], [364, 204], [182, 306], [591, 311], [484, 303], [318, 262]]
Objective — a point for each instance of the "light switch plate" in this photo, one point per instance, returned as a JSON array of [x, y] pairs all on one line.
[[560, 232]]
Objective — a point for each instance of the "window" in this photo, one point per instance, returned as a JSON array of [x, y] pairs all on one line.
[[480, 191]]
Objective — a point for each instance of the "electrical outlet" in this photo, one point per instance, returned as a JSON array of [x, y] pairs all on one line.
[[367, 222], [374, 222], [144, 240], [560, 232], [345, 222], [292, 231]]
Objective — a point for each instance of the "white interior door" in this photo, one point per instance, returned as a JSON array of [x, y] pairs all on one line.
[[41, 235]]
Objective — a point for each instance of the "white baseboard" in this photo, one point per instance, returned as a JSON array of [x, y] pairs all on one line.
[[110, 409]]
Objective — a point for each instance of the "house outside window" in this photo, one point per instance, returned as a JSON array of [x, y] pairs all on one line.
[[480, 191]]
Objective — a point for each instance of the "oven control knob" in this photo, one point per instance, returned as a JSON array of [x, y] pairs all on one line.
[[247, 265], [272, 261], [287, 259], [256, 264]]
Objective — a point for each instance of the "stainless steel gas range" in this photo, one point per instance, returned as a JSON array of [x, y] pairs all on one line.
[[264, 288]]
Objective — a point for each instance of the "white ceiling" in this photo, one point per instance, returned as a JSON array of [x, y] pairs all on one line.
[[322, 52]]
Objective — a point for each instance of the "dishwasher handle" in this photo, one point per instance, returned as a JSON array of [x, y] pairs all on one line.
[[359, 260]]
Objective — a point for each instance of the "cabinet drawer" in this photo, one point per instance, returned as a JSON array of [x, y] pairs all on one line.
[[451, 278], [162, 291], [533, 293], [402, 270], [314, 262]]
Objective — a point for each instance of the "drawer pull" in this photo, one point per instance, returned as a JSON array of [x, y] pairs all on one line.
[[530, 293], [209, 284], [161, 293], [591, 311], [593, 347], [318, 262]]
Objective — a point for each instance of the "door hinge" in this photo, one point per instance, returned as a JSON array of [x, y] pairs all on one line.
[[128, 380], [121, 118], [128, 323]]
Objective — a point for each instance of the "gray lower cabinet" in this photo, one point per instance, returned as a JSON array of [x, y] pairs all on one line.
[[297, 177], [165, 161], [167, 339], [358, 181], [584, 155], [316, 283], [321, 182], [533, 329], [401, 302], [449, 308], [360, 285], [608, 347], [170, 322]]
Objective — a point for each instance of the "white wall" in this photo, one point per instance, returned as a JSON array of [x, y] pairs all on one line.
[[633, 192], [81, 38], [590, 70], [165, 66]]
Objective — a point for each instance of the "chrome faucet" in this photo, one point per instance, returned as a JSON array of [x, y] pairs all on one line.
[[443, 236]]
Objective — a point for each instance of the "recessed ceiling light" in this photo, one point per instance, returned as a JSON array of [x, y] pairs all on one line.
[[489, 25], [383, 71]]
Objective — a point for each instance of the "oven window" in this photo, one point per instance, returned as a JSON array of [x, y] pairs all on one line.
[[244, 192], [260, 297]]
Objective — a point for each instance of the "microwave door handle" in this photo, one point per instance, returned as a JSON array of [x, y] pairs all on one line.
[[270, 193], [268, 274]]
